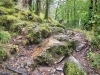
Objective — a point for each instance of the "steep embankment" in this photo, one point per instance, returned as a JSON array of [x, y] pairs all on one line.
[[26, 62]]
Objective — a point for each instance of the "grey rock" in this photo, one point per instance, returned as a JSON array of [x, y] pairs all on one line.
[[53, 70], [72, 59], [59, 68]]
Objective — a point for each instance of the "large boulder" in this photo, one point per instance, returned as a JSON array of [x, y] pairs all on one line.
[[73, 67]]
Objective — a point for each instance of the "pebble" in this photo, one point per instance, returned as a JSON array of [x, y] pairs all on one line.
[[28, 63], [53, 70], [48, 70], [12, 58], [59, 68]]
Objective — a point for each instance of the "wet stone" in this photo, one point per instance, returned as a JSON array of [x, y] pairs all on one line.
[[53, 70], [59, 68]]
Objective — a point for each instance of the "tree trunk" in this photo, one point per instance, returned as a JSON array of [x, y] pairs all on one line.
[[74, 13], [47, 9], [57, 9], [23, 4], [38, 5], [96, 19], [30, 3], [91, 14]]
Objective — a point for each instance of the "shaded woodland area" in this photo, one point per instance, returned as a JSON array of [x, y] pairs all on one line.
[[49, 37]]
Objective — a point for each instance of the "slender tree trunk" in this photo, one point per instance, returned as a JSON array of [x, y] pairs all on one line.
[[57, 9], [30, 3], [74, 12], [91, 14], [47, 9], [38, 5], [96, 19], [43, 4], [71, 17], [68, 17]]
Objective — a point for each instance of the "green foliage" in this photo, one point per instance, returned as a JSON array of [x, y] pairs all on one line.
[[3, 54], [72, 69], [4, 36], [94, 58]]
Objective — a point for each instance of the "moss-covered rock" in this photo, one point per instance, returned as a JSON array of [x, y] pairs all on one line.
[[55, 52], [45, 59], [72, 69], [62, 49], [57, 30], [18, 26], [37, 33]]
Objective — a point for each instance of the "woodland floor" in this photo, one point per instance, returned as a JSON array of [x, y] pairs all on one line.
[[26, 54]]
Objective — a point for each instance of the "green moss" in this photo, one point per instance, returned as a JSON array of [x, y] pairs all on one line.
[[63, 50], [6, 3], [6, 11], [72, 69], [7, 21], [94, 58], [3, 20], [45, 59], [3, 54], [25, 42], [34, 37], [17, 27], [4, 36], [45, 31], [37, 33]]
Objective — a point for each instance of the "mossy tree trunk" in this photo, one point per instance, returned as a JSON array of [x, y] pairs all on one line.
[[96, 13], [91, 14], [47, 9], [38, 7]]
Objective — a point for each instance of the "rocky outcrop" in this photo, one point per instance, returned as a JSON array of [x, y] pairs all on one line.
[[53, 51]]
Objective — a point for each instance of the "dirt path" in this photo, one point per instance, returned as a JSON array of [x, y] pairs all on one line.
[[21, 63]]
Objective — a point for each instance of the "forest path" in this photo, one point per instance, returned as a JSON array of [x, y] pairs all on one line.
[[21, 63]]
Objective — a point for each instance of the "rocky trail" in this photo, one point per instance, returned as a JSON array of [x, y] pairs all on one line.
[[22, 62]]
